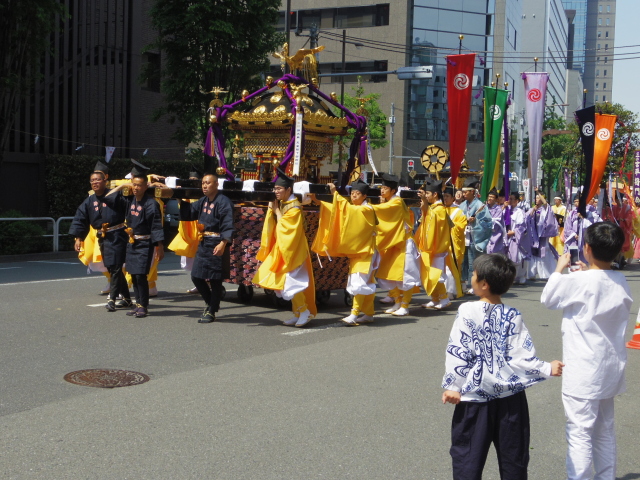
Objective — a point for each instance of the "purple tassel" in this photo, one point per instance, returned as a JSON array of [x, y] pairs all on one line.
[[451, 62], [509, 100], [477, 95], [483, 62], [524, 76]]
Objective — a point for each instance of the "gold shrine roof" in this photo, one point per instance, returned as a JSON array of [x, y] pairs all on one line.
[[272, 112]]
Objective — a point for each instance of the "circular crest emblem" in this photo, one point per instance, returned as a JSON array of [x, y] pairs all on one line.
[[534, 95], [604, 134], [587, 129], [461, 81], [495, 112]]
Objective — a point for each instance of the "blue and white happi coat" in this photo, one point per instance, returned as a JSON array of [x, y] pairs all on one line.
[[491, 354]]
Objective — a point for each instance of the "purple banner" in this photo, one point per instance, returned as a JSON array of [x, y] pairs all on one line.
[[636, 177], [535, 86]]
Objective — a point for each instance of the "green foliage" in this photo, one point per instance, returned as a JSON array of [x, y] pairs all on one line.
[[560, 151], [626, 128], [20, 237], [210, 44], [25, 37], [376, 118], [67, 177], [555, 149]]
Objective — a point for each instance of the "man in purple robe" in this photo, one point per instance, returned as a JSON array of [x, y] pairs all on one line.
[[498, 233], [575, 224], [542, 226], [518, 240]]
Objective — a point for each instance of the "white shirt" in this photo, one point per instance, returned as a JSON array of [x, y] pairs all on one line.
[[490, 353], [595, 315]]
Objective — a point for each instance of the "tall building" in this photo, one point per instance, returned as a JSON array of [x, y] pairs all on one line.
[[599, 45], [386, 36], [577, 33], [545, 28], [90, 95], [593, 46]]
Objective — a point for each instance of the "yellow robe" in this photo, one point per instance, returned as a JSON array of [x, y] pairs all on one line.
[[459, 220], [433, 237], [394, 223], [557, 241], [90, 253], [347, 230], [283, 248], [186, 242]]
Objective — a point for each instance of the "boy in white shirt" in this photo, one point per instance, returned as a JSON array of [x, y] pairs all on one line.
[[595, 303], [490, 361]]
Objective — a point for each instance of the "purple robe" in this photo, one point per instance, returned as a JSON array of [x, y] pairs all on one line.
[[498, 233], [574, 227], [519, 244], [542, 226]]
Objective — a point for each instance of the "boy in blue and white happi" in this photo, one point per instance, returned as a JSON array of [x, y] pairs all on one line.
[[490, 361]]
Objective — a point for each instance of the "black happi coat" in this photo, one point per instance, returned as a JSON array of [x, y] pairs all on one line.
[[144, 218], [216, 216], [94, 211]]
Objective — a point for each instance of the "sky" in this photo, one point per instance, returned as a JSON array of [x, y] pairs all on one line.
[[626, 73]]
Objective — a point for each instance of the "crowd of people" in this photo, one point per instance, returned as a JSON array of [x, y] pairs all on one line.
[[457, 246]]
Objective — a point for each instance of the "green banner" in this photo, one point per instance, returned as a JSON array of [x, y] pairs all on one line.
[[495, 106]]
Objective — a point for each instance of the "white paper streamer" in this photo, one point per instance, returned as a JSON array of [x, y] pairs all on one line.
[[297, 151], [371, 157], [109, 153]]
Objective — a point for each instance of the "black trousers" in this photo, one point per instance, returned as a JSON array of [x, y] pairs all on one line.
[[210, 294], [505, 422], [141, 289], [118, 282]]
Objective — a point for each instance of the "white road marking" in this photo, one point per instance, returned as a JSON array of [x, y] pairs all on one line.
[[8, 268], [47, 281], [49, 261], [155, 299], [313, 330]]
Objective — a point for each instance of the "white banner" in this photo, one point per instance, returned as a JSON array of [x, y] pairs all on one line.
[[370, 157], [297, 150], [109, 153]]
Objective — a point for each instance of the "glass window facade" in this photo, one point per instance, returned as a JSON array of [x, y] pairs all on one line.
[[436, 27], [580, 32]]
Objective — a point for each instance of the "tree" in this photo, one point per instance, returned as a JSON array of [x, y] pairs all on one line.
[[208, 44], [26, 27], [376, 118], [556, 149], [565, 151]]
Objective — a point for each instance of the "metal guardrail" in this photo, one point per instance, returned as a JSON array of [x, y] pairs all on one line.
[[56, 237], [54, 222]]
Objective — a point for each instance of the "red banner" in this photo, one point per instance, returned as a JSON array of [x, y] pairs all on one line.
[[605, 125], [459, 87]]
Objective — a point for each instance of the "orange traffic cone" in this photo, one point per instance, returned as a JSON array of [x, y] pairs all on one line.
[[635, 340]]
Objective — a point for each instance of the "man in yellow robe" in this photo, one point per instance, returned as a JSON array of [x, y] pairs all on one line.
[[399, 269], [351, 232], [284, 252], [459, 219], [434, 242], [560, 211]]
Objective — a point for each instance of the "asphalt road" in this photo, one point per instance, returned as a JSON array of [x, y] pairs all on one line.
[[245, 397]]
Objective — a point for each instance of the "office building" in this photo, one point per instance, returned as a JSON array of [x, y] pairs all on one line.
[[386, 36]]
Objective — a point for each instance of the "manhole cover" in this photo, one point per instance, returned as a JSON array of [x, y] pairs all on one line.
[[106, 378]]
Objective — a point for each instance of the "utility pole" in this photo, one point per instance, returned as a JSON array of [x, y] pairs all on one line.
[[392, 122]]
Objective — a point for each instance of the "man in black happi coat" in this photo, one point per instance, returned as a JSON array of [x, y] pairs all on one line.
[[112, 239], [214, 213]]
